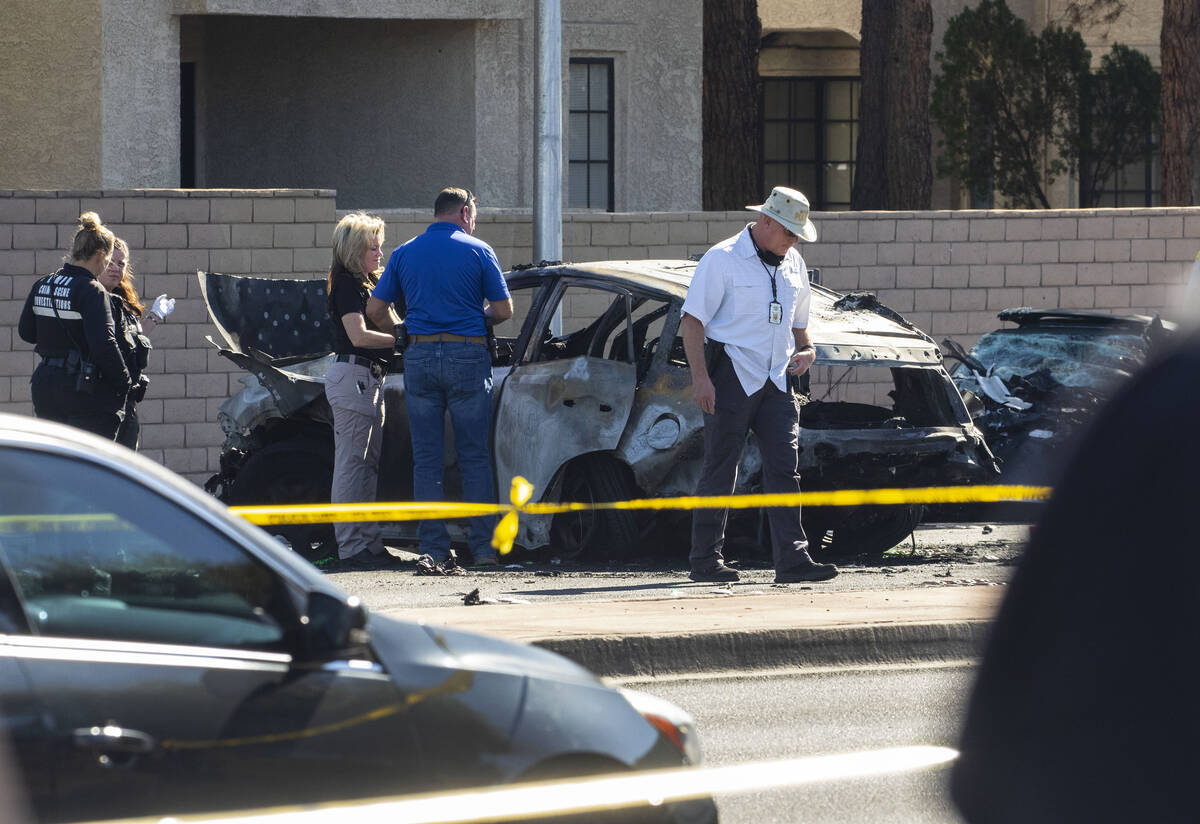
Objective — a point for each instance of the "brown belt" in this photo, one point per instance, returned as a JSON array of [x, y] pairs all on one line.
[[448, 338]]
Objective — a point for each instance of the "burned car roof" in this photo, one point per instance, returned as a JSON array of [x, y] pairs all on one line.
[[284, 319], [667, 277], [845, 328]]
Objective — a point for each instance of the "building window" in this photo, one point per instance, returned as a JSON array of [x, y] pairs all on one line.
[[590, 134], [810, 135], [1138, 184]]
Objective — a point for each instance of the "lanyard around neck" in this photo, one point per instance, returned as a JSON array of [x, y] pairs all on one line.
[[772, 276]]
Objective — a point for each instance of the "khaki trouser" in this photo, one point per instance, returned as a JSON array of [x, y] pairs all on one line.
[[356, 397]]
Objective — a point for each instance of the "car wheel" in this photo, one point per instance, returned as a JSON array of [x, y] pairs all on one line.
[[596, 535], [870, 530], [289, 472]]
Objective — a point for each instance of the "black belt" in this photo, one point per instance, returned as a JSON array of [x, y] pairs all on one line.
[[447, 337], [62, 363], [376, 367]]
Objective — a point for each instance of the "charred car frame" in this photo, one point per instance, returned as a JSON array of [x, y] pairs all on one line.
[[593, 402]]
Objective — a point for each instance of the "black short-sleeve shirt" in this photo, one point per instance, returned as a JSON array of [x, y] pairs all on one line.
[[349, 295]]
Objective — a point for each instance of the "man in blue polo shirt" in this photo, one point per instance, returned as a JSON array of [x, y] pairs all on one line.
[[452, 286]]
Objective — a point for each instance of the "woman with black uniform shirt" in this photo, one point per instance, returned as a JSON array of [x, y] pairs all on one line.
[[132, 324], [82, 379], [354, 385]]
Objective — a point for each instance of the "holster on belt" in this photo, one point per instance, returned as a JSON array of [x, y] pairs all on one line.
[[493, 349]]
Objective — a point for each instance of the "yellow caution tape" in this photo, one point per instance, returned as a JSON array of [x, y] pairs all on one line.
[[84, 522], [519, 502], [521, 491]]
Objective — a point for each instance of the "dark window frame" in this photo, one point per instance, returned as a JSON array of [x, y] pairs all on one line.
[[817, 196], [187, 125], [610, 112], [1109, 192]]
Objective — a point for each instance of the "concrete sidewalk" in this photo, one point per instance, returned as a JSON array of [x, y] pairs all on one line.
[[743, 631]]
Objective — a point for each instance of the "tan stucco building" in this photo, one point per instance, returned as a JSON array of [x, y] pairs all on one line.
[[386, 101]]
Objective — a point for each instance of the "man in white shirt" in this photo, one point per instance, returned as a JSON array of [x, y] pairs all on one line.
[[750, 299]]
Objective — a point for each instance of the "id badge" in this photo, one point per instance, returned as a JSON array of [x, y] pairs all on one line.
[[776, 313]]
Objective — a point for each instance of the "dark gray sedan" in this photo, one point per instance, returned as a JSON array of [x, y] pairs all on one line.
[[159, 656]]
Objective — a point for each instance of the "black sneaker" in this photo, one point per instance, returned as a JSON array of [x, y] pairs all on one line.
[[714, 574], [810, 572]]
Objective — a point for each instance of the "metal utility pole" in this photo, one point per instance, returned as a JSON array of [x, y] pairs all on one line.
[[547, 199]]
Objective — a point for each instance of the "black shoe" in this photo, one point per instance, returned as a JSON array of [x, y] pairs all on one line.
[[809, 572], [714, 574]]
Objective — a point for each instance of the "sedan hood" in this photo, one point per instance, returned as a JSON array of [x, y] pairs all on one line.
[[397, 641]]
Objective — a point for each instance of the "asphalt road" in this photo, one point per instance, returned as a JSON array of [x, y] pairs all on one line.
[[797, 714], [941, 556]]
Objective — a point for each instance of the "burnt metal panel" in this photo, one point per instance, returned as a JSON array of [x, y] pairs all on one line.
[[280, 317], [552, 411]]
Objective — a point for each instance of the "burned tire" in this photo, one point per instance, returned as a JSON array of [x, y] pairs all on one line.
[[870, 530], [290, 472], [596, 535]]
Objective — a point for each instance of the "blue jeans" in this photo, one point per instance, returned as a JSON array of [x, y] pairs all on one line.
[[454, 377]]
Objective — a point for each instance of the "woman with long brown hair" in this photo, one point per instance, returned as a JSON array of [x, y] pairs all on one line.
[[132, 325], [354, 384]]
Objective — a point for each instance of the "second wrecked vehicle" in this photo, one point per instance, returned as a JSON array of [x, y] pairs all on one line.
[[1035, 385], [593, 402]]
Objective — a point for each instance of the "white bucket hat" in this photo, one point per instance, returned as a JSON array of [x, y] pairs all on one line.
[[790, 208]]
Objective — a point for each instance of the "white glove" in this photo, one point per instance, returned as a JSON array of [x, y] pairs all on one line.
[[162, 307]]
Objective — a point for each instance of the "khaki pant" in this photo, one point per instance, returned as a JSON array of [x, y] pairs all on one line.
[[356, 397]]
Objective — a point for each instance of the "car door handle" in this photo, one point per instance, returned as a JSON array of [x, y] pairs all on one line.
[[109, 738]]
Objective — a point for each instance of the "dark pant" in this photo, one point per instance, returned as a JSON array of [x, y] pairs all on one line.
[[56, 399], [772, 415]]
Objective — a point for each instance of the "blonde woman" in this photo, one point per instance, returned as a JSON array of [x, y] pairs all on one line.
[[354, 385], [82, 379]]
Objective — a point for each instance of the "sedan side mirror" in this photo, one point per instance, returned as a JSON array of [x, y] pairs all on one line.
[[331, 626]]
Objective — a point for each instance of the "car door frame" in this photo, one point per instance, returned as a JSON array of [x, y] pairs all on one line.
[[571, 440]]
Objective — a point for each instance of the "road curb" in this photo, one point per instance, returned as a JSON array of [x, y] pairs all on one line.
[[655, 655]]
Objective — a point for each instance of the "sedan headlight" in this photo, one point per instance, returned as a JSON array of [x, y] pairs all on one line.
[[672, 721]]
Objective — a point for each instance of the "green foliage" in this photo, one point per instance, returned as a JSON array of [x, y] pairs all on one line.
[[1007, 103], [1121, 107]]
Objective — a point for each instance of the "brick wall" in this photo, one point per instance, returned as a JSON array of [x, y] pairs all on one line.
[[171, 234], [948, 272]]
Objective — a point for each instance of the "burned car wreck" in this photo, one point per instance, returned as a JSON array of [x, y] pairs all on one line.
[[1033, 387], [593, 402]]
